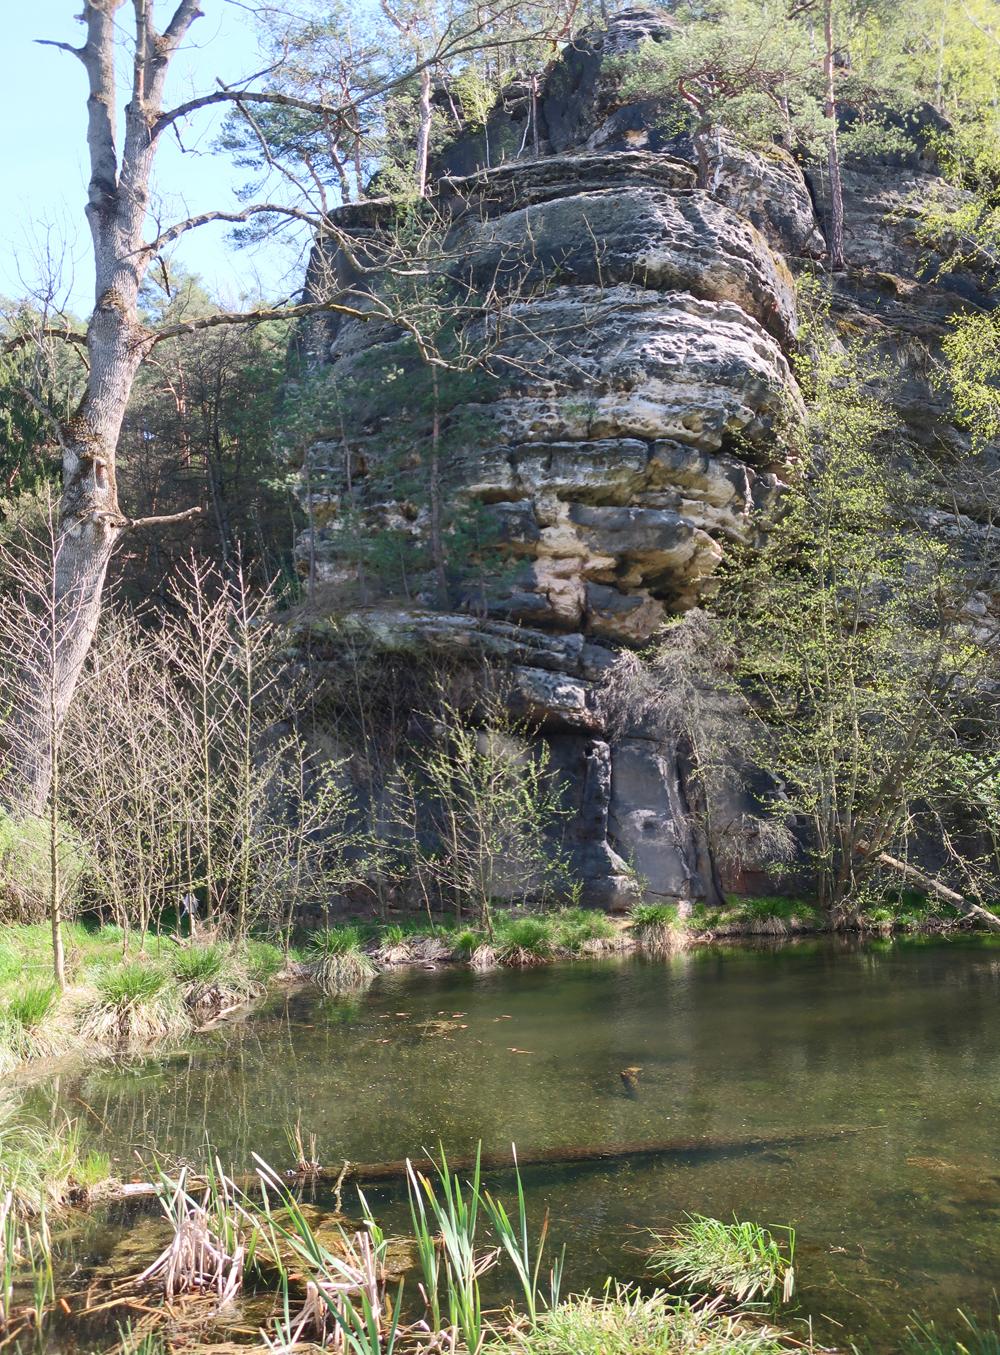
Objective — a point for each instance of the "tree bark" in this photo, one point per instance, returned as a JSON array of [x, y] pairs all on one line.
[[90, 521], [836, 240]]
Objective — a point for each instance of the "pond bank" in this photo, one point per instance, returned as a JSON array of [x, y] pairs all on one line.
[[742, 1060], [173, 986]]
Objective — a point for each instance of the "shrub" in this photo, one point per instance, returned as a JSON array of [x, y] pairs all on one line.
[[739, 1261]]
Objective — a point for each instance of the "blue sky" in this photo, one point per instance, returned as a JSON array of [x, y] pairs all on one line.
[[43, 152]]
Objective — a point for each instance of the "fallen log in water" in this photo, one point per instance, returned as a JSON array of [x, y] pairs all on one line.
[[377, 1173]]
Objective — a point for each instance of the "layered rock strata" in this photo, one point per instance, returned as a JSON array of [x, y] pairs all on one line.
[[631, 429]]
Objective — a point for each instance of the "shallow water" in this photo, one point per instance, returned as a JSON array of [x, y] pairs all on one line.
[[872, 1070]]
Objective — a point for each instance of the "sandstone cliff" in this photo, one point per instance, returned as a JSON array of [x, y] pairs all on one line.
[[631, 426]]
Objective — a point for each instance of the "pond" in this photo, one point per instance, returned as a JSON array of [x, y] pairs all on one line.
[[850, 1090]]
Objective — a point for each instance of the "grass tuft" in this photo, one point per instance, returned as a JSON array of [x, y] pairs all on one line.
[[584, 931], [212, 978], [627, 1322], [738, 1261], [134, 1003], [658, 928], [41, 1163], [525, 940], [336, 959]]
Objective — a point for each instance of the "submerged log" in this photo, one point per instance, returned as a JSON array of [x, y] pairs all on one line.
[[567, 1155]]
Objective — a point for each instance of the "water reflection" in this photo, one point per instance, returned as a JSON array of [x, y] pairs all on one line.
[[894, 1043]]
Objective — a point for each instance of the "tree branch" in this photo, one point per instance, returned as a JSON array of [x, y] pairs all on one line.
[[257, 317], [205, 218], [67, 336], [63, 46], [134, 524]]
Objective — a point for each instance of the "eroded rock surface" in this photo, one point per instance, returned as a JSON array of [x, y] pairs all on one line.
[[632, 426]]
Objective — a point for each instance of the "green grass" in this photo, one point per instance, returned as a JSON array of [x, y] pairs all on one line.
[[923, 1338], [336, 959], [133, 1004], [31, 1006], [577, 929], [626, 1322], [738, 1261], [41, 1163], [525, 940], [658, 927], [264, 960], [212, 976]]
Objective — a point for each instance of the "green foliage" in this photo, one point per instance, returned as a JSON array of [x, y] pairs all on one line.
[[972, 375], [493, 804], [848, 629], [742, 1262], [336, 959], [740, 68], [625, 1321], [26, 864], [971, 1338], [42, 374]]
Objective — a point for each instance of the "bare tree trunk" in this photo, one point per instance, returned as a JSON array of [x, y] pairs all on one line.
[[90, 520], [833, 153], [424, 131], [437, 533]]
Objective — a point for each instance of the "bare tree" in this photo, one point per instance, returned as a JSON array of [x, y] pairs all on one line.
[[117, 341]]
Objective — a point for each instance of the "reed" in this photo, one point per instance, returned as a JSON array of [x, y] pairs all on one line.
[[971, 1338], [737, 1261], [344, 1303], [451, 1212], [207, 1251], [515, 1240]]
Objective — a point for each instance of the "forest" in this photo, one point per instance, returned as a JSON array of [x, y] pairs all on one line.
[[553, 577]]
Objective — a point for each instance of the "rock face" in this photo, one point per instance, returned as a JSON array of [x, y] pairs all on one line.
[[630, 427]]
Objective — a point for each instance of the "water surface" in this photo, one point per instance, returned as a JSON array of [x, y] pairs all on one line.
[[871, 1071]]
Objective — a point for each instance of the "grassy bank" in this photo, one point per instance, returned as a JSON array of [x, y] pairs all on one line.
[[116, 1004]]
